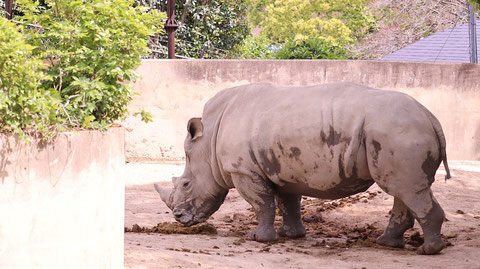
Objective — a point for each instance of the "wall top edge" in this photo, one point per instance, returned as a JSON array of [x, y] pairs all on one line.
[[385, 62], [115, 129]]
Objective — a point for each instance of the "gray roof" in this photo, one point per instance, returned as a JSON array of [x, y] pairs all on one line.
[[450, 46]]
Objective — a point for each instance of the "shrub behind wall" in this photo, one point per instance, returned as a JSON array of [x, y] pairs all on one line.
[[92, 49], [25, 106]]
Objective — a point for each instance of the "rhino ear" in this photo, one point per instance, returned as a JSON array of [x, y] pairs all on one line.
[[195, 128]]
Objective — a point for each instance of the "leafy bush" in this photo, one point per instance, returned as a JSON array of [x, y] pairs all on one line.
[[24, 105], [256, 47], [339, 22], [310, 48], [210, 29], [91, 48], [354, 14]]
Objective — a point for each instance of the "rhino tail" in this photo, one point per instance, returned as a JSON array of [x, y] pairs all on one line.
[[443, 151], [441, 139]]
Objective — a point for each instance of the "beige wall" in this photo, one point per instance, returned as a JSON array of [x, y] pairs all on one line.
[[176, 90], [62, 203]]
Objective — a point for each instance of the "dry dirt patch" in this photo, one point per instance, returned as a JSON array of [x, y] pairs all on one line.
[[340, 233]]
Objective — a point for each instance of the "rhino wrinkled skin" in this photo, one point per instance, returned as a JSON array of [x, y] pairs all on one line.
[[328, 141]]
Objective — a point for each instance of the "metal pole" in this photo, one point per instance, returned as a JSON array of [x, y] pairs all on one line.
[[8, 9], [473, 36], [171, 26]]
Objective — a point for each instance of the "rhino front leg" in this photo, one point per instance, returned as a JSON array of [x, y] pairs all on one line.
[[289, 205], [400, 221], [259, 194]]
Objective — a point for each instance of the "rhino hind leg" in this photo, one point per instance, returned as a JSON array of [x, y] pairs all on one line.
[[426, 210], [400, 220], [406, 169], [259, 194], [430, 220], [289, 205]]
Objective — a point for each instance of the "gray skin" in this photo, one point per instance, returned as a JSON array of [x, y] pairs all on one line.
[[328, 141]]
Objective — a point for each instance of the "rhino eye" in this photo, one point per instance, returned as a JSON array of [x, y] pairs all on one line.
[[186, 184]]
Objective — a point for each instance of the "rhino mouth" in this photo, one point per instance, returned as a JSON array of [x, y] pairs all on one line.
[[190, 220], [190, 223], [184, 218], [188, 215]]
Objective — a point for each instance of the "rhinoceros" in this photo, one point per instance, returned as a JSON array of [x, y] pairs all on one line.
[[275, 144]]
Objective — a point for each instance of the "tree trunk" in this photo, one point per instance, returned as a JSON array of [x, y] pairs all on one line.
[[186, 9]]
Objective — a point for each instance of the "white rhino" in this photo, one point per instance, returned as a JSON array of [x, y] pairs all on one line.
[[328, 141]]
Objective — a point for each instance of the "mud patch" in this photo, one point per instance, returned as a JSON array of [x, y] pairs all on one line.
[[238, 163], [239, 225], [413, 238], [377, 148], [332, 139], [313, 218], [174, 228], [271, 165], [343, 236], [429, 167], [295, 153], [338, 235], [252, 156]]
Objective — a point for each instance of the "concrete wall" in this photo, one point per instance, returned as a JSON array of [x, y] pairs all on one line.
[[62, 203], [176, 90]]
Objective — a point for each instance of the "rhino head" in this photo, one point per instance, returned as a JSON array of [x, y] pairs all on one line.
[[195, 195]]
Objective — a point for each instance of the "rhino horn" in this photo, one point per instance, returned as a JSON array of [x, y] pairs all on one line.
[[164, 195]]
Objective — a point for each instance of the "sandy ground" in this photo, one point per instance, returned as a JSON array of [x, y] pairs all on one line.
[[340, 233]]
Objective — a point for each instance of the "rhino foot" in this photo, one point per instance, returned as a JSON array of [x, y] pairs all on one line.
[[390, 241], [430, 248], [292, 231], [264, 234]]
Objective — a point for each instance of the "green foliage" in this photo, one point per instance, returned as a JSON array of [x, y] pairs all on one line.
[[306, 29], [339, 22], [310, 48], [24, 105], [354, 14], [144, 115], [256, 10], [256, 47], [210, 29], [91, 48]]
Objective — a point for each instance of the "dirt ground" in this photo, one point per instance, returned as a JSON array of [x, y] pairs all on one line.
[[340, 233]]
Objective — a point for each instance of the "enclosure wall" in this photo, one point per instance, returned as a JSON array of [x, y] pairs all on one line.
[[176, 90], [62, 203]]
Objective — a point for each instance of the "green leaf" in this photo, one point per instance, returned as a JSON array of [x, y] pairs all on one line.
[[87, 120]]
